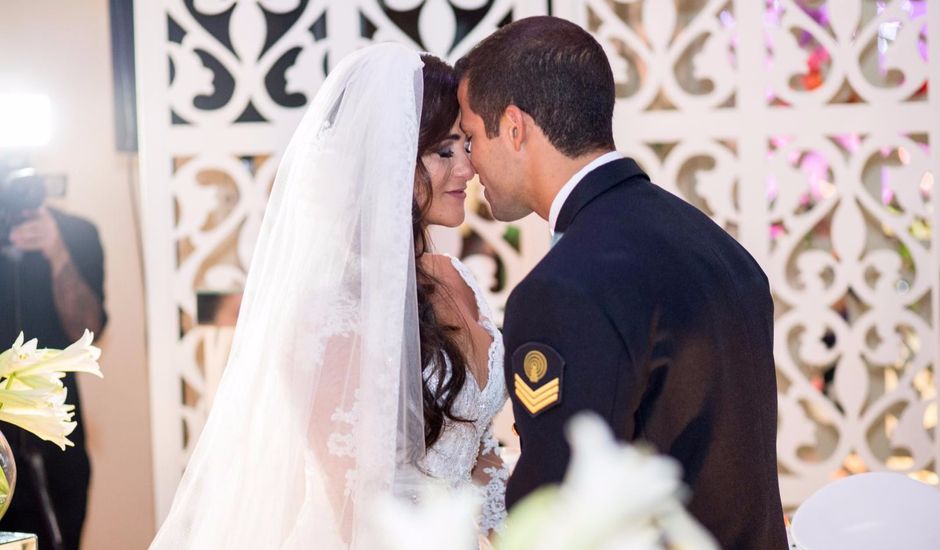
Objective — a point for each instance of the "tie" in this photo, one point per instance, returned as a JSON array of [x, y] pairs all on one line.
[[555, 238]]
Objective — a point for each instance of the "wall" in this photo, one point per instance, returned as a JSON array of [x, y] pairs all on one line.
[[62, 49]]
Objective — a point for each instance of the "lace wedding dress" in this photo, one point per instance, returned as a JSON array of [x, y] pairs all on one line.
[[468, 451]]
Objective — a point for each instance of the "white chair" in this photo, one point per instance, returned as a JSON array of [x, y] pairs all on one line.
[[875, 511]]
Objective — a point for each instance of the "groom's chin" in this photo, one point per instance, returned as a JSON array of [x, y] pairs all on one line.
[[504, 215]]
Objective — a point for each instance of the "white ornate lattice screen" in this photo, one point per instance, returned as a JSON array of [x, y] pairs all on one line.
[[804, 127]]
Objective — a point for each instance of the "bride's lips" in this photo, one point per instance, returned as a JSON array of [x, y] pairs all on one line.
[[458, 194]]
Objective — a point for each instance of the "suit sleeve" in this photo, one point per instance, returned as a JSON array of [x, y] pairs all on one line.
[[564, 356]]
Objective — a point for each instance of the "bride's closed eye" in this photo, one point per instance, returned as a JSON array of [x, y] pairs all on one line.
[[446, 153], [446, 148]]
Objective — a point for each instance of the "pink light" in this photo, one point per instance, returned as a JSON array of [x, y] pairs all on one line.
[[773, 13], [887, 194], [773, 188], [816, 168], [727, 19], [850, 142]]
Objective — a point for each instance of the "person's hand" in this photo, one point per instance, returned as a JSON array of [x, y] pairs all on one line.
[[41, 233]]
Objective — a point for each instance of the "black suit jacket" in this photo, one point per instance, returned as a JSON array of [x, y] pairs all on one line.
[[650, 315]]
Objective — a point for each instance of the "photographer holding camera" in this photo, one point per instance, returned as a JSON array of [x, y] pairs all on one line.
[[51, 288]]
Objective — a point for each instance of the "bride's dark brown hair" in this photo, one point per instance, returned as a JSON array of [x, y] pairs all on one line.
[[439, 111]]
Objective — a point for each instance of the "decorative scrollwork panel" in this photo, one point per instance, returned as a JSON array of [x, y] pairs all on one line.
[[668, 55], [858, 51], [802, 127], [852, 262]]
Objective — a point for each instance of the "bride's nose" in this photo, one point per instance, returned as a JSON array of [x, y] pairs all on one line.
[[464, 168]]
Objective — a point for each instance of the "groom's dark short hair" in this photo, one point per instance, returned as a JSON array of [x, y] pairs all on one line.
[[553, 70]]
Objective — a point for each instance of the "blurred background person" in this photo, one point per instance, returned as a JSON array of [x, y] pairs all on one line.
[[52, 289]]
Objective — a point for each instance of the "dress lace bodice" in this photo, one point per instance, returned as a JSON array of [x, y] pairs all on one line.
[[464, 446]]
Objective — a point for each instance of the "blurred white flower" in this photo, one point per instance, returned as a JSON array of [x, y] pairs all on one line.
[[441, 518], [32, 395], [614, 497]]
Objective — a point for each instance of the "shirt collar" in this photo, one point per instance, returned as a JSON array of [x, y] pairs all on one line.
[[566, 190]]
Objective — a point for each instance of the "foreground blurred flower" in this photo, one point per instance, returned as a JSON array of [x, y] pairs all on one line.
[[614, 497], [32, 395], [442, 518]]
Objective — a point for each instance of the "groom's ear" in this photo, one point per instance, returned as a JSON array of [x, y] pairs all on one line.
[[515, 128]]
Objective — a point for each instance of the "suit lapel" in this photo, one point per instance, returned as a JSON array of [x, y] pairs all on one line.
[[595, 184]]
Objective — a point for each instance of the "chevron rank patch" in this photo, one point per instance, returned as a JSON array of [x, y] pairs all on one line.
[[537, 375]]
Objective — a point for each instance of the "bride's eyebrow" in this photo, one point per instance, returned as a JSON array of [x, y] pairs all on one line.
[[452, 137]]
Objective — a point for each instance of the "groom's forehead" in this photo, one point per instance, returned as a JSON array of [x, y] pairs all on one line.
[[466, 110]]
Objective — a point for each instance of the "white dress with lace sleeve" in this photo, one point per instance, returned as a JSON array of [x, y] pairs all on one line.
[[464, 446]]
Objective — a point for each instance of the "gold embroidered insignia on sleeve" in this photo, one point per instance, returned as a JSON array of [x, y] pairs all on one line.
[[536, 400], [535, 365]]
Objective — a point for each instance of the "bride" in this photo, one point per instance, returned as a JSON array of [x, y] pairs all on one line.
[[362, 363]]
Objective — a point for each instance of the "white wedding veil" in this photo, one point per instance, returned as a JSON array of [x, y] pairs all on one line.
[[320, 406]]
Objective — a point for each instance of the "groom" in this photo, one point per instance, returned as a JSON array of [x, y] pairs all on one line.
[[644, 311]]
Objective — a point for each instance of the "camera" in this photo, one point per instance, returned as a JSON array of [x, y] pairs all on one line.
[[23, 190]]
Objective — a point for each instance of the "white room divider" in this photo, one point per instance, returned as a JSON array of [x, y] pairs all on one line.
[[806, 129]]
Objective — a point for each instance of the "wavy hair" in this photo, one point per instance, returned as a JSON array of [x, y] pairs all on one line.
[[438, 112]]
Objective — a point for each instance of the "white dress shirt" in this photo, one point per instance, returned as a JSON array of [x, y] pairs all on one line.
[[566, 190]]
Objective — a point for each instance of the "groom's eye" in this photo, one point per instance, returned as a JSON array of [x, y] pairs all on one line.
[[467, 147]]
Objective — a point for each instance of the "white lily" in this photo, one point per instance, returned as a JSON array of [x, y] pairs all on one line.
[[18, 354], [48, 424], [32, 394], [31, 398], [46, 383], [81, 356]]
